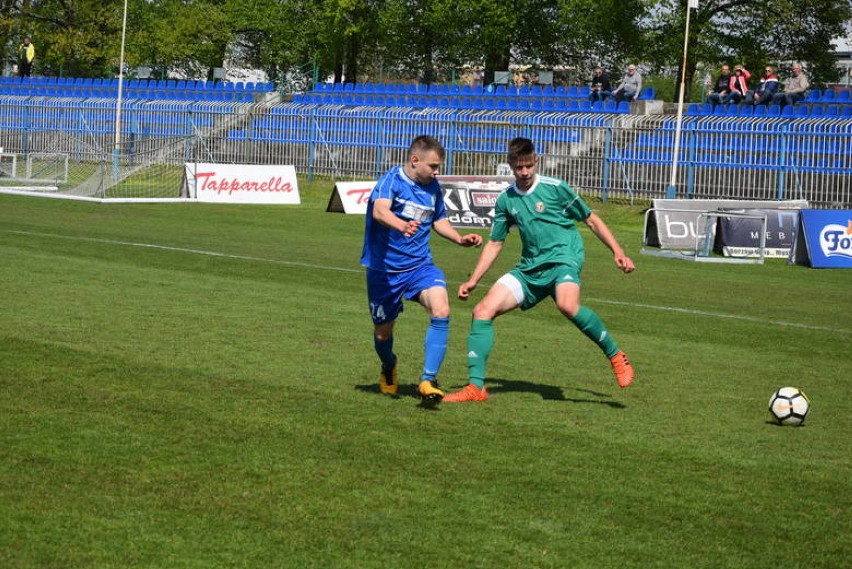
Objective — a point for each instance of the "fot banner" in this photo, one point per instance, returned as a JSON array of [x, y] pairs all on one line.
[[241, 183]]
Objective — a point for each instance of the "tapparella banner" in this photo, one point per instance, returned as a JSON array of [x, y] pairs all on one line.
[[242, 183]]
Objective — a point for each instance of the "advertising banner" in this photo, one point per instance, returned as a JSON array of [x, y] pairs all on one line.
[[350, 197], [469, 199], [673, 225], [242, 183], [823, 239], [740, 236]]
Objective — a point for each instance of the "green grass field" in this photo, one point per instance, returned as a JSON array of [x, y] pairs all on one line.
[[194, 386]]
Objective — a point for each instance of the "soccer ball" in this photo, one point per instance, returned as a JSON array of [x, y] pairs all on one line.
[[789, 406]]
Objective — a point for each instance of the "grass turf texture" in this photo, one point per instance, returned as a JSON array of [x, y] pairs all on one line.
[[210, 400]]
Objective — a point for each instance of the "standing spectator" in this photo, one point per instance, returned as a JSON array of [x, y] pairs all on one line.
[[630, 86], [26, 54], [720, 89], [794, 88], [764, 92], [406, 205], [600, 87], [738, 87]]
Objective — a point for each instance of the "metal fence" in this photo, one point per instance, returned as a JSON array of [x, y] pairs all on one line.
[[604, 154]]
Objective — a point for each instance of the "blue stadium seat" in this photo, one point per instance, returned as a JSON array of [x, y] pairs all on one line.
[[827, 96], [801, 110], [647, 93], [844, 96], [832, 111], [813, 96]]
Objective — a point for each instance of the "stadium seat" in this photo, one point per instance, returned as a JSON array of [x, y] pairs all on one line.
[[801, 110], [647, 93], [844, 96], [832, 111], [813, 96], [827, 96], [789, 111]]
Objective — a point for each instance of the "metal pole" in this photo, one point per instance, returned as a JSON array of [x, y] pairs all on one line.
[[671, 191], [116, 151]]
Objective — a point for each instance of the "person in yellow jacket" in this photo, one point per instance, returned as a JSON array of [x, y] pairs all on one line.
[[26, 54]]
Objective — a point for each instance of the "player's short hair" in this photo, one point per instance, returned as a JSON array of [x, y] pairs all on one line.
[[520, 147], [426, 143]]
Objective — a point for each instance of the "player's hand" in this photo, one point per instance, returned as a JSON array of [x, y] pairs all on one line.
[[625, 263], [411, 227], [465, 289], [471, 240]]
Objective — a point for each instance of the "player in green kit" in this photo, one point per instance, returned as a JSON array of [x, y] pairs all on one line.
[[545, 211]]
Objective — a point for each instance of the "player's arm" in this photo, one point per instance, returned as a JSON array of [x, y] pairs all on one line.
[[600, 229], [489, 254], [383, 214], [444, 228]]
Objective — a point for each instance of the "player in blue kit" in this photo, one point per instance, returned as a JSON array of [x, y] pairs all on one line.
[[545, 211], [405, 206]]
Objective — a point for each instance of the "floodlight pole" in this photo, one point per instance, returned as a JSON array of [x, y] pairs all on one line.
[[671, 191], [116, 151]]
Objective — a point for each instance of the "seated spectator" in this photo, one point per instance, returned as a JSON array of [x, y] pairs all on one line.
[[721, 88], [794, 88], [738, 87], [630, 86], [764, 92], [600, 87]]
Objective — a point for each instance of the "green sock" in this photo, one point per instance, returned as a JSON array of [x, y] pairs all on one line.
[[592, 326], [479, 343]]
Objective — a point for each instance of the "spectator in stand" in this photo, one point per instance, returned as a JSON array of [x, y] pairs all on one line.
[[764, 92], [738, 87], [630, 86], [26, 54], [600, 87], [794, 88], [720, 89]]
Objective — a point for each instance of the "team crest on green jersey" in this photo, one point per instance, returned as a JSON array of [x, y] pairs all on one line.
[[539, 207]]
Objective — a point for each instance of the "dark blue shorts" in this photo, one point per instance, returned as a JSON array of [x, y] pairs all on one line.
[[386, 291]]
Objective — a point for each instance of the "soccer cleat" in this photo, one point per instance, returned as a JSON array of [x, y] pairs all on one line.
[[430, 392], [470, 393], [388, 382], [622, 369]]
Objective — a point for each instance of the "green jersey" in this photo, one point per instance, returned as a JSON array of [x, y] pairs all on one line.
[[545, 216]]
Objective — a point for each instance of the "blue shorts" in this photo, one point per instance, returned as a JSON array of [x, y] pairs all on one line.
[[386, 291]]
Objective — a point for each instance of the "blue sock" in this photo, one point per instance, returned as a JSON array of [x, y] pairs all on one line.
[[385, 351], [435, 347]]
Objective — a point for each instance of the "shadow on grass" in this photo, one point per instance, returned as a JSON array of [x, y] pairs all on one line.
[[403, 391], [499, 385], [552, 392]]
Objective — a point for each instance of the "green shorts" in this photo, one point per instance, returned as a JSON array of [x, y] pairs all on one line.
[[531, 287]]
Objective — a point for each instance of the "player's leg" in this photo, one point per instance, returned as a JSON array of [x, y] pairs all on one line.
[[437, 303], [567, 297], [385, 300], [505, 295]]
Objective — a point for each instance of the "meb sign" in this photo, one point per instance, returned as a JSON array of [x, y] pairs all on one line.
[[242, 183]]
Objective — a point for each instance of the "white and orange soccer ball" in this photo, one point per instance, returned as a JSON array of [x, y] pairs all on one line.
[[789, 406]]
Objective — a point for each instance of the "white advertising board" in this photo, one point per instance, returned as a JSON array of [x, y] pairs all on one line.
[[242, 183]]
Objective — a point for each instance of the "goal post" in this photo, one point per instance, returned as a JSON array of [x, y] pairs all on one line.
[[698, 239]]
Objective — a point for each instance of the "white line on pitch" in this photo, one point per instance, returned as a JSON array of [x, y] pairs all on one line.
[[359, 270], [185, 250]]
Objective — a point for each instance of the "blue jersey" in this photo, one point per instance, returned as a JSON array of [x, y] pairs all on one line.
[[389, 250]]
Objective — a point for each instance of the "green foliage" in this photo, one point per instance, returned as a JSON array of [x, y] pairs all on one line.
[[194, 385]]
